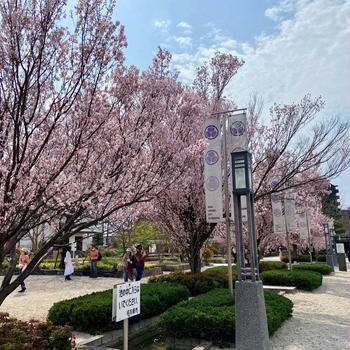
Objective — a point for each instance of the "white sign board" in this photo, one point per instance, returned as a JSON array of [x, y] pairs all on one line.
[[126, 300], [340, 248]]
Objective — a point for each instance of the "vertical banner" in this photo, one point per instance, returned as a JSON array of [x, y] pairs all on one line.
[[237, 141], [289, 214], [237, 138], [276, 204], [212, 171], [303, 225]]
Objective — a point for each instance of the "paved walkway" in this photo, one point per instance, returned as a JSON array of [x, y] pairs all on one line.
[[321, 319]]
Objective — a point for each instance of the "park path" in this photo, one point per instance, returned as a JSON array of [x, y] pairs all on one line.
[[321, 319], [43, 291]]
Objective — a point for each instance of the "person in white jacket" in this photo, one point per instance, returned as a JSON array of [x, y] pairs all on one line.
[[68, 266]]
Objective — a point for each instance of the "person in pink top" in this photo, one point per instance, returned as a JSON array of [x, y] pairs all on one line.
[[23, 263], [94, 257]]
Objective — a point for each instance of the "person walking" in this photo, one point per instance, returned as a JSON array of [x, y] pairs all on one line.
[[140, 261], [23, 263], [93, 257], [128, 271], [68, 266]]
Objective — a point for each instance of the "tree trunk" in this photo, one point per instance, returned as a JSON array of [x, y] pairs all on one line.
[[195, 261]]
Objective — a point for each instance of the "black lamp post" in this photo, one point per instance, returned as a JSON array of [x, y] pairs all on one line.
[[251, 321]]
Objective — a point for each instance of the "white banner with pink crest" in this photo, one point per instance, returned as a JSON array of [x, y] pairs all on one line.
[[276, 204], [237, 141], [212, 171], [302, 221], [237, 137]]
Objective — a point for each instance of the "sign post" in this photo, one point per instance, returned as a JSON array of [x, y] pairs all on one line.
[[126, 304]]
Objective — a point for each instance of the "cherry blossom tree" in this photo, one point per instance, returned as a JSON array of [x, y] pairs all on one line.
[[81, 135], [294, 145]]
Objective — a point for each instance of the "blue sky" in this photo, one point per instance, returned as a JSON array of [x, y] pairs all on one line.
[[291, 47]]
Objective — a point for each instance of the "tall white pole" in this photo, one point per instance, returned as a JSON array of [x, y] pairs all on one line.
[[308, 234], [125, 333], [227, 210]]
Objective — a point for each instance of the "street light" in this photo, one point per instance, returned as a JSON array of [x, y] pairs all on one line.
[[329, 258], [251, 321], [332, 246]]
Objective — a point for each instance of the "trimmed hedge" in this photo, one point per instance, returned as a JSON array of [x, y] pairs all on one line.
[[321, 258], [33, 335], [302, 279], [212, 316], [299, 258], [197, 283], [323, 269], [263, 266], [271, 265], [92, 313]]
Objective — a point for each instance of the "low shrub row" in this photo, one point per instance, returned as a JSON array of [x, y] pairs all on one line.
[[323, 269], [33, 335], [263, 266], [297, 258], [212, 316], [92, 313], [302, 279], [198, 283]]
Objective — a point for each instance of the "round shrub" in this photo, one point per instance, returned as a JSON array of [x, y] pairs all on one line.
[[212, 316], [197, 283], [302, 279], [93, 312], [323, 269]]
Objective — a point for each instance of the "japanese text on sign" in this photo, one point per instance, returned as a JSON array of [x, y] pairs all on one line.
[[126, 301]]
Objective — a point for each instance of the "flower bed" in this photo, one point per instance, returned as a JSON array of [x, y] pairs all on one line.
[[93, 312], [212, 316], [302, 279]]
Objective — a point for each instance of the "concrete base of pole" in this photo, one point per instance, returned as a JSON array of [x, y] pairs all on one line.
[[251, 321], [342, 262], [329, 260]]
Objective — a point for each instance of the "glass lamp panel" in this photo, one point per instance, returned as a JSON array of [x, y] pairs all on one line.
[[240, 179]]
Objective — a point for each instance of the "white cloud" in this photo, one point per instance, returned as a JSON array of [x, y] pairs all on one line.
[[184, 25], [162, 25], [183, 41]]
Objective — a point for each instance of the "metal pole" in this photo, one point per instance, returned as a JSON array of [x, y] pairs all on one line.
[[239, 238], [287, 234], [308, 234], [125, 333], [227, 210]]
